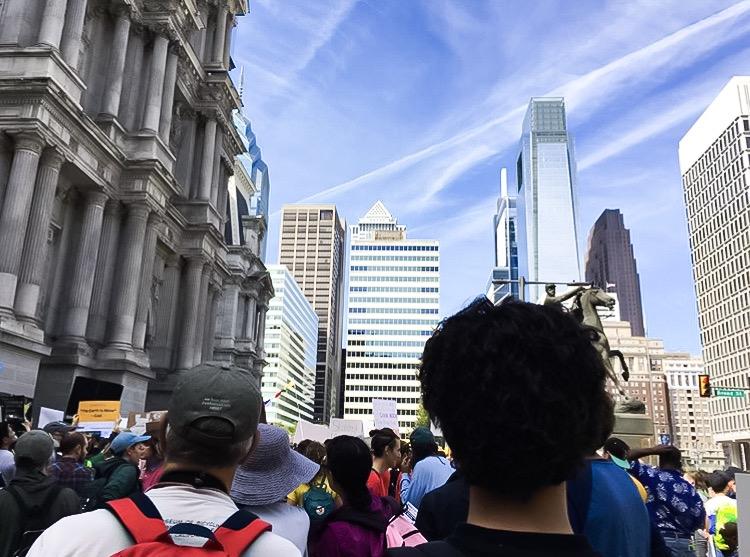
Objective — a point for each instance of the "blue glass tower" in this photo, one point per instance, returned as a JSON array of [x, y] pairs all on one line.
[[547, 207]]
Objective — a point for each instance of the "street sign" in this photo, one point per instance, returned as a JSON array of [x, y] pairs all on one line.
[[730, 393]]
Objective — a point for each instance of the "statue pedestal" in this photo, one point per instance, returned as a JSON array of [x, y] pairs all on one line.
[[637, 430]]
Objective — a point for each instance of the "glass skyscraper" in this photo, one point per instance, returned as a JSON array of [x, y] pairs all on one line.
[[547, 208], [506, 245]]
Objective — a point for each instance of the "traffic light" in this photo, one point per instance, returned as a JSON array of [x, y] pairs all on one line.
[[704, 386]]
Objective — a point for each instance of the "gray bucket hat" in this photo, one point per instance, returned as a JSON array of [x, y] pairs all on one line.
[[272, 471]]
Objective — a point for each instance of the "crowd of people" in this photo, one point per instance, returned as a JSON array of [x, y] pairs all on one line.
[[519, 395]]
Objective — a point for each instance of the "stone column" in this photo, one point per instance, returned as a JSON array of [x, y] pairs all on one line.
[[155, 84], [207, 164], [11, 20], [251, 310], [115, 71], [193, 274], [219, 35], [185, 157], [15, 213], [261, 332], [144, 296], [216, 175], [84, 267], [228, 41], [128, 277], [200, 330], [35, 244], [240, 317], [53, 20], [214, 293], [166, 314], [70, 46], [167, 101], [228, 315], [53, 319], [221, 204], [105, 271]]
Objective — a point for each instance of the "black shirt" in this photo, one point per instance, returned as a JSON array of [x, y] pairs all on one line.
[[444, 508], [474, 541]]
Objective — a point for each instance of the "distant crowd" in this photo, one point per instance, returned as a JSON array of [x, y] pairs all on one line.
[[533, 470]]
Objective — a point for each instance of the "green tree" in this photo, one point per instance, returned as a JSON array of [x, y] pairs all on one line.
[[423, 418]]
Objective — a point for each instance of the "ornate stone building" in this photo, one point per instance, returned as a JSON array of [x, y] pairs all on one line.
[[116, 147]]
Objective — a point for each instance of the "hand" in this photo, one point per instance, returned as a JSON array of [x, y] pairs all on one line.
[[406, 465]]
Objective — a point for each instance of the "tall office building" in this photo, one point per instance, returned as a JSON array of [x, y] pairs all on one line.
[[312, 248], [394, 300], [547, 208], [714, 162], [506, 247], [610, 264], [291, 347], [691, 414]]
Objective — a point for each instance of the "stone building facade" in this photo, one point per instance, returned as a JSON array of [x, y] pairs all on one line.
[[116, 146]]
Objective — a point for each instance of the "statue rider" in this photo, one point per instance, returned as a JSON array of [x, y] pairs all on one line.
[[552, 300]]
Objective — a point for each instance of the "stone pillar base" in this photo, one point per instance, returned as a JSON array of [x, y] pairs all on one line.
[[637, 430], [21, 350]]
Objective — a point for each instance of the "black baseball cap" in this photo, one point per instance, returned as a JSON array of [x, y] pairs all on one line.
[[618, 451], [209, 394]]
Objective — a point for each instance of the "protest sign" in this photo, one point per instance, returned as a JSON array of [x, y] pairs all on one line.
[[340, 426], [385, 414], [315, 432], [13, 407], [99, 411], [142, 422], [48, 415]]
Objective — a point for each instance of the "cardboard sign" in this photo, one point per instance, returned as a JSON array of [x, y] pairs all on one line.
[[48, 415], [340, 426], [99, 411], [142, 422], [385, 414], [315, 432]]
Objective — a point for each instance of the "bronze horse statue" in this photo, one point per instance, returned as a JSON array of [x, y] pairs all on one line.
[[584, 310]]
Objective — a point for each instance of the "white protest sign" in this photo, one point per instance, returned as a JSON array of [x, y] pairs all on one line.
[[48, 415], [385, 414], [315, 432], [346, 427], [104, 428]]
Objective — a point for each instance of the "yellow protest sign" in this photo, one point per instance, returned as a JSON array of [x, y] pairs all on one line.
[[99, 411]]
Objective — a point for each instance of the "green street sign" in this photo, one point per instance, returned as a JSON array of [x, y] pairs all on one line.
[[731, 393]]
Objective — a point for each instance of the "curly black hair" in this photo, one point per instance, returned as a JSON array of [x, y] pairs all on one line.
[[519, 393]]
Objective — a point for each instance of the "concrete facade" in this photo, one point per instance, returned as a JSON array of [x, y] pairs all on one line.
[[715, 165], [312, 248], [610, 265], [116, 146]]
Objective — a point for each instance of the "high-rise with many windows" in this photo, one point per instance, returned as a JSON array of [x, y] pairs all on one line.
[[394, 300], [610, 265], [506, 245], [291, 342], [715, 165], [312, 248], [547, 208]]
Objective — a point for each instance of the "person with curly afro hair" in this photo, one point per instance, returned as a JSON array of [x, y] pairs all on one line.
[[519, 393]]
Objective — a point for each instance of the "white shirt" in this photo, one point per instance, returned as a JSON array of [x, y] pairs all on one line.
[[99, 533], [716, 502], [288, 521]]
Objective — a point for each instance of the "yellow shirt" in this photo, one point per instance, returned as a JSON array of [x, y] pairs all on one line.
[[641, 490], [297, 496]]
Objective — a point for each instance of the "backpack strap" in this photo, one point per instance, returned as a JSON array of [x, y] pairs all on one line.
[[139, 517], [239, 531]]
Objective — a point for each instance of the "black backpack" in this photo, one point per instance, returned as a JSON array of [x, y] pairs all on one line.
[[34, 520]]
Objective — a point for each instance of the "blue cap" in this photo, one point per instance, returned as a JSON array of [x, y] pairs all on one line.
[[125, 440]]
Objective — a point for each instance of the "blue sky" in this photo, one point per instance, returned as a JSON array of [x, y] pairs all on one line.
[[419, 103]]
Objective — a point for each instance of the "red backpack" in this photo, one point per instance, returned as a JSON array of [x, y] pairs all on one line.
[[142, 520]]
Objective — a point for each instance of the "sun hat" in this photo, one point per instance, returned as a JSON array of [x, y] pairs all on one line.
[[422, 436], [215, 391], [125, 440], [618, 452], [35, 447], [272, 471]]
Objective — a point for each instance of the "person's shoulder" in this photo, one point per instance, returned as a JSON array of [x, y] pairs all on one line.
[[271, 545]]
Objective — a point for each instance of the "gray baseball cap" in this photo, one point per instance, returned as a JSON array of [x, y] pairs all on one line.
[[215, 391], [35, 447]]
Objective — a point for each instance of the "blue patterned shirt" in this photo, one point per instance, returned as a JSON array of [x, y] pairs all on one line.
[[673, 504]]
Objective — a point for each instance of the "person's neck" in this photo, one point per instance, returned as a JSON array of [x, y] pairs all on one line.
[[545, 512], [224, 475], [378, 463]]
